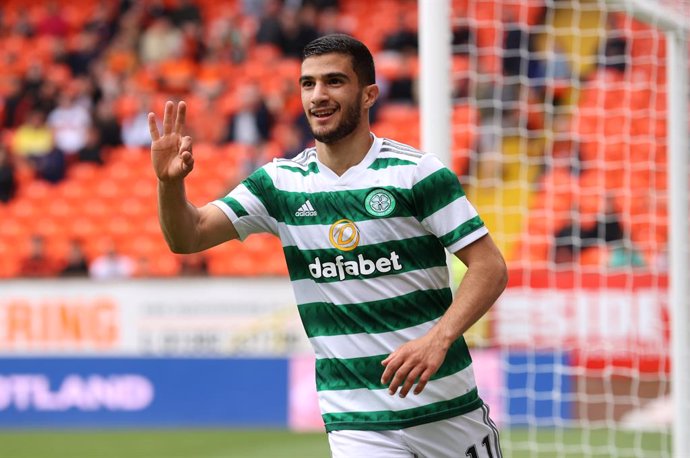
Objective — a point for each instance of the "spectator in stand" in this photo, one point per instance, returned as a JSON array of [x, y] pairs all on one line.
[[15, 104], [76, 264], [46, 98], [70, 123], [135, 128], [184, 11], [321, 5], [84, 52], [604, 230], [53, 23], [193, 46], [107, 124], [143, 268], [226, 39], [103, 23], [515, 49], [37, 264], [23, 25], [252, 122], [33, 143], [33, 138], [34, 78], [193, 265], [297, 30], [8, 181], [160, 42], [330, 21], [270, 28], [614, 55], [150, 10], [112, 265], [400, 87], [403, 39], [206, 126], [32, 92], [93, 150]]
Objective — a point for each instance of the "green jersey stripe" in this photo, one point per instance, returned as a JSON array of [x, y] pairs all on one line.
[[426, 194], [235, 206], [368, 261], [387, 420], [330, 206], [462, 230], [260, 185], [385, 162], [365, 372], [328, 319]]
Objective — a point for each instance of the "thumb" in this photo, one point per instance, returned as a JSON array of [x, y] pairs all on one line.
[[186, 144], [187, 162]]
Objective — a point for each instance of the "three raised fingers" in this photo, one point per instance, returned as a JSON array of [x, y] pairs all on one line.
[[168, 120]]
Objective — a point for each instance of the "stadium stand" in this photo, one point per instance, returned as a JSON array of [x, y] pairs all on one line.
[[100, 53]]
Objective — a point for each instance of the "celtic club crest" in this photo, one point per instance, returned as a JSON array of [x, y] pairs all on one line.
[[379, 202]]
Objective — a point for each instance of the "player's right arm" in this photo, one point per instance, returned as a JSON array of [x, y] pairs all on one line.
[[187, 229]]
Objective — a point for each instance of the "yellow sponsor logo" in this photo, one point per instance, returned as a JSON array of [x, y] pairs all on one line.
[[344, 235]]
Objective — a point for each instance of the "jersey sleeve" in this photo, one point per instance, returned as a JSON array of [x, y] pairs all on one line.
[[442, 206], [247, 206]]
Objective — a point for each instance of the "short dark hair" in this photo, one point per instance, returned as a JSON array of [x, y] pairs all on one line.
[[362, 60]]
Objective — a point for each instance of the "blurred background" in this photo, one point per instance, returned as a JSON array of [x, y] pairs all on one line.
[[559, 136]]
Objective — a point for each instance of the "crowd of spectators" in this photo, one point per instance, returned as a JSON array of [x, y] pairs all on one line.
[[95, 76], [92, 82], [111, 264]]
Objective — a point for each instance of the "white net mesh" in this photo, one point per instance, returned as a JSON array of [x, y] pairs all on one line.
[[679, 7], [560, 136]]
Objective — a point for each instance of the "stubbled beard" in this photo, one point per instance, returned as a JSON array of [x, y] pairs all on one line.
[[345, 128]]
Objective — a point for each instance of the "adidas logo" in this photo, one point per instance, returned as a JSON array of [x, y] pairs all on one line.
[[306, 210]]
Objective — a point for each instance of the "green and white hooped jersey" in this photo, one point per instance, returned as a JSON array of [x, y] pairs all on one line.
[[366, 256]]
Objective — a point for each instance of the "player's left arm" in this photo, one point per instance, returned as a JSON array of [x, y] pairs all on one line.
[[484, 281]]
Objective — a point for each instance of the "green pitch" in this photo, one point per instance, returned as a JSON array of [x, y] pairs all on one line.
[[517, 443]]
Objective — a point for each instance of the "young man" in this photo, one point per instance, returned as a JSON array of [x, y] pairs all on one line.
[[364, 223]]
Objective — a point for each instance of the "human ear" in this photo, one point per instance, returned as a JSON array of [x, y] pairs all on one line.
[[369, 95]]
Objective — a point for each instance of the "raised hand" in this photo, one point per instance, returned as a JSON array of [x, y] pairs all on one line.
[[171, 153]]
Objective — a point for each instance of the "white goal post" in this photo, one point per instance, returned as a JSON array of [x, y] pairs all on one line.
[[436, 128]]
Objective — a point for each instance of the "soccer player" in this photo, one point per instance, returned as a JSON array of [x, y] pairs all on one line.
[[364, 222]]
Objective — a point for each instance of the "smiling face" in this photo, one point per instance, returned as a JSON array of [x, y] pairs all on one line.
[[333, 100]]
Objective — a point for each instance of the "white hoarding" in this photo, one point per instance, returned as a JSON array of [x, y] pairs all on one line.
[[150, 317]]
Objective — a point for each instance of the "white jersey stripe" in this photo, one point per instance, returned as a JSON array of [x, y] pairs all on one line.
[[450, 217], [365, 400], [371, 289], [257, 220], [363, 344], [311, 237]]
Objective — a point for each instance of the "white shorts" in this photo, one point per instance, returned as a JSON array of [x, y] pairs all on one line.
[[471, 435]]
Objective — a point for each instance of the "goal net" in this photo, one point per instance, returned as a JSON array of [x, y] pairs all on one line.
[[560, 133]]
